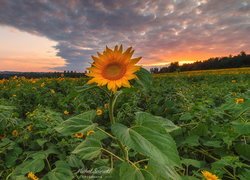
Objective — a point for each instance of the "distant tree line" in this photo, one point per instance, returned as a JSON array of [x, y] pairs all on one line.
[[240, 60], [72, 74]]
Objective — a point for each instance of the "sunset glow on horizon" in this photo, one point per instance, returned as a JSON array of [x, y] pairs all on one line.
[[55, 36], [21, 51]]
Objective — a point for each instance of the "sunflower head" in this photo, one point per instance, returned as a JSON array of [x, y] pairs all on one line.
[[79, 135], [113, 68], [90, 132], [32, 176], [29, 127], [209, 176], [99, 112], [66, 112], [15, 133], [239, 100]]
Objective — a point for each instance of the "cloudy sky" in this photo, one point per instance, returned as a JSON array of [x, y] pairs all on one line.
[[49, 35]]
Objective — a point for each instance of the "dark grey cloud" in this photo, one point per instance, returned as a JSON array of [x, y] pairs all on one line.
[[158, 29]]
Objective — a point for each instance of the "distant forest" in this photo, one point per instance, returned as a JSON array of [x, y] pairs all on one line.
[[240, 60]]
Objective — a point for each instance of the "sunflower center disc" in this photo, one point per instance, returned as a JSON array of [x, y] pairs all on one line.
[[114, 71]]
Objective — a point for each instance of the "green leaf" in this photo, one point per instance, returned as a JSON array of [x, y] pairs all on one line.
[[216, 144], [186, 117], [148, 142], [127, 171], [193, 162], [12, 156], [155, 122], [191, 141], [200, 130], [91, 147], [32, 165], [144, 78], [74, 161], [80, 123], [242, 128], [243, 150], [61, 172], [245, 175], [160, 171], [41, 142], [231, 161]]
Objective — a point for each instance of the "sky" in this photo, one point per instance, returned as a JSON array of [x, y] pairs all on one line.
[[53, 35]]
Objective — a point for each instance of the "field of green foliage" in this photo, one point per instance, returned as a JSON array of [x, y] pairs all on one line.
[[173, 128]]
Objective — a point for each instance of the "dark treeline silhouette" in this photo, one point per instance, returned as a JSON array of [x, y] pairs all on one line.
[[240, 60], [72, 74]]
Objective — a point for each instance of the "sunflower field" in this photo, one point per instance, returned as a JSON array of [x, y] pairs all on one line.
[[189, 126]]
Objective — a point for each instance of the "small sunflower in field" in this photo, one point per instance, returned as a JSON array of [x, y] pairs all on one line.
[[29, 128], [52, 91], [99, 112], [90, 132], [32, 176], [15, 133], [239, 100], [234, 81], [79, 135], [33, 81], [209, 176], [66, 112], [113, 68], [43, 84], [106, 105]]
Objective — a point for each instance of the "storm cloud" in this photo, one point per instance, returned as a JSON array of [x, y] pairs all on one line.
[[157, 29]]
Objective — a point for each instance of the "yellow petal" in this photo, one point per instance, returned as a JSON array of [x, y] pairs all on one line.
[[135, 60], [111, 86], [127, 51], [108, 50], [95, 58], [131, 76], [91, 81], [121, 48], [132, 69], [118, 83], [116, 48], [126, 84]]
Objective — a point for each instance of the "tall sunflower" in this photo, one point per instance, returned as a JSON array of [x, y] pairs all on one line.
[[113, 68]]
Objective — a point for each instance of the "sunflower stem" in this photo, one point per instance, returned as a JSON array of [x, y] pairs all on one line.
[[112, 101], [111, 109]]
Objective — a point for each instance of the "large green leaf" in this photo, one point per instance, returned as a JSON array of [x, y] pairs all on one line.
[[160, 147], [241, 127], [154, 122], [144, 78], [12, 156], [31, 165], [79, 123], [193, 162], [160, 171], [74, 161], [61, 172], [244, 175], [91, 147], [126, 171], [243, 150]]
